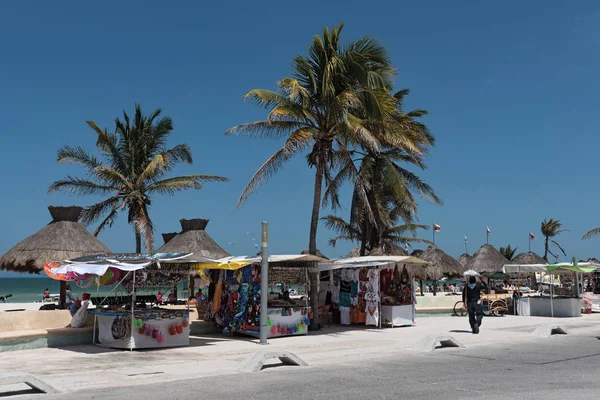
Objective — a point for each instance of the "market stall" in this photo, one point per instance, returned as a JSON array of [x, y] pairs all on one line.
[[130, 322], [373, 290], [567, 304], [236, 302]]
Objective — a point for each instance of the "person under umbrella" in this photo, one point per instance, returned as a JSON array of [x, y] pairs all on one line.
[[472, 299]]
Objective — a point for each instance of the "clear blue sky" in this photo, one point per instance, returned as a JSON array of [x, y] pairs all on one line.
[[511, 88]]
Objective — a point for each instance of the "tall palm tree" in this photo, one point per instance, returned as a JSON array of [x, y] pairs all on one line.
[[136, 162], [508, 252], [550, 229], [320, 108], [323, 108]]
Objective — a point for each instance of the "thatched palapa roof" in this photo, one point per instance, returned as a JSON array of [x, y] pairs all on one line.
[[441, 263], [528, 258], [192, 239], [487, 260], [169, 236], [464, 259], [62, 239], [319, 254]]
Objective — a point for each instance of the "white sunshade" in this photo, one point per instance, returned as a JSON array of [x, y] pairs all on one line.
[[529, 268], [97, 269], [368, 261], [524, 268]]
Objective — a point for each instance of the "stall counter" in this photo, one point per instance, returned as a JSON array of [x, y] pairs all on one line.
[[397, 315], [148, 329], [540, 307], [283, 321]]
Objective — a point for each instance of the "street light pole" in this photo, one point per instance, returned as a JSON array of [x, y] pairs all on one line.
[[264, 281]]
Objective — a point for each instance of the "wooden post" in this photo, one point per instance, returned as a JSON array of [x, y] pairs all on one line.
[[421, 286], [63, 294], [191, 287]]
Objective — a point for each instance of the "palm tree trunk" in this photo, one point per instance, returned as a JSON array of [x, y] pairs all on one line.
[[546, 250], [138, 239], [312, 246], [363, 240]]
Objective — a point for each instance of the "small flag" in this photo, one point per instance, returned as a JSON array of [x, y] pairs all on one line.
[[466, 240], [531, 237], [487, 230], [406, 247], [436, 228]]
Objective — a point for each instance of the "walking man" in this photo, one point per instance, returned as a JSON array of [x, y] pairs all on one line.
[[472, 299]]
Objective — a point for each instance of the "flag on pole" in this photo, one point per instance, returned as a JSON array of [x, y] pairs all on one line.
[[436, 228], [487, 230], [466, 240], [406, 247], [531, 237]]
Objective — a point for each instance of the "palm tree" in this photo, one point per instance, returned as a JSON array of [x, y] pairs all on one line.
[[320, 109], [136, 162], [550, 229], [382, 186], [335, 92], [508, 252]]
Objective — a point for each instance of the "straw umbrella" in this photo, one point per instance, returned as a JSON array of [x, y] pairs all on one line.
[[441, 264], [464, 259], [192, 239], [487, 260], [62, 239], [169, 236]]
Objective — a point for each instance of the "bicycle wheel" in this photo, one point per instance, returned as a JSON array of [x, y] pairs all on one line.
[[459, 309], [499, 308]]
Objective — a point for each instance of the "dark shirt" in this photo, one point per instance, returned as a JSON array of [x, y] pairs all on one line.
[[472, 292]]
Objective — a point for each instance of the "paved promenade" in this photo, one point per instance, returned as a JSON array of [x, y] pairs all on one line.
[[90, 367]]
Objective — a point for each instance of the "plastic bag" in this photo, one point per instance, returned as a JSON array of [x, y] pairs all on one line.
[[80, 318]]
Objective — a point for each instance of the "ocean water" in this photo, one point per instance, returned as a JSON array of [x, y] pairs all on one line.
[[27, 290]]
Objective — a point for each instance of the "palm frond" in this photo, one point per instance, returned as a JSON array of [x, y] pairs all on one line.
[[298, 141], [173, 185], [559, 247], [591, 233], [80, 186]]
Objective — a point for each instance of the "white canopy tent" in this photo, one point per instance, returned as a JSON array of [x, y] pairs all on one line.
[[97, 269], [536, 268], [525, 268], [368, 261]]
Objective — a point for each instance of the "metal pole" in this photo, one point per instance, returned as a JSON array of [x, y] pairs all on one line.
[[132, 312], [264, 282]]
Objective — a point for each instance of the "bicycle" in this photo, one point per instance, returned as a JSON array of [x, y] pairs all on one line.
[[459, 309]]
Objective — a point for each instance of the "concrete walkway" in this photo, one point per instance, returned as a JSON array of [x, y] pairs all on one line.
[[77, 368]]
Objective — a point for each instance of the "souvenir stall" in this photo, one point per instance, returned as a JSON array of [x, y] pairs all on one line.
[[235, 305], [564, 304], [131, 320], [373, 290]]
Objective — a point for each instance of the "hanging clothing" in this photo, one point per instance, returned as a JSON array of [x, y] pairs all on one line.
[[344, 315]]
